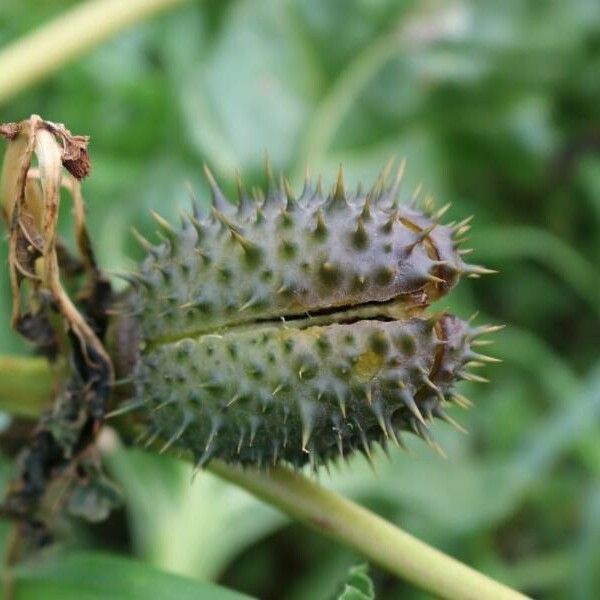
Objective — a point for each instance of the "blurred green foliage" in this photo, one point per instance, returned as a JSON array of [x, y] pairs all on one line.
[[496, 105], [358, 585], [93, 576]]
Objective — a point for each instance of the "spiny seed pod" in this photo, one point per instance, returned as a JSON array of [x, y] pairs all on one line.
[[269, 392], [293, 329]]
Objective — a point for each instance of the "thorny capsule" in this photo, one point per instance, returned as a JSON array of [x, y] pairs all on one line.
[[294, 329]]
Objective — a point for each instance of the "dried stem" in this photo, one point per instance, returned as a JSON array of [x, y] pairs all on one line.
[[33, 255]]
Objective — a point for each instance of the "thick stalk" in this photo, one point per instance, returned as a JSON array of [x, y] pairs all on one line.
[[376, 539], [25, 385], [51, 46], [306, 501]]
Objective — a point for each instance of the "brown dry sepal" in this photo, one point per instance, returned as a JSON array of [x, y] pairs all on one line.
[[10, 130], [75, 155]]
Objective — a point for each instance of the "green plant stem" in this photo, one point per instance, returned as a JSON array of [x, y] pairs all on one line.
[[25, 385], [304, 500], [45, 50], [338, 101], [376, 539], [398, 41]]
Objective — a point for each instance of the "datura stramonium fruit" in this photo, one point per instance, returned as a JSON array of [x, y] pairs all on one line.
[[294, 329]]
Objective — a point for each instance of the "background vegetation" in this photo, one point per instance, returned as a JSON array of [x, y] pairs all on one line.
[[496, 106]]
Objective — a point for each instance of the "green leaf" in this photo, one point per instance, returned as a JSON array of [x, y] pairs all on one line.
[[93, 576], [358, 584]]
